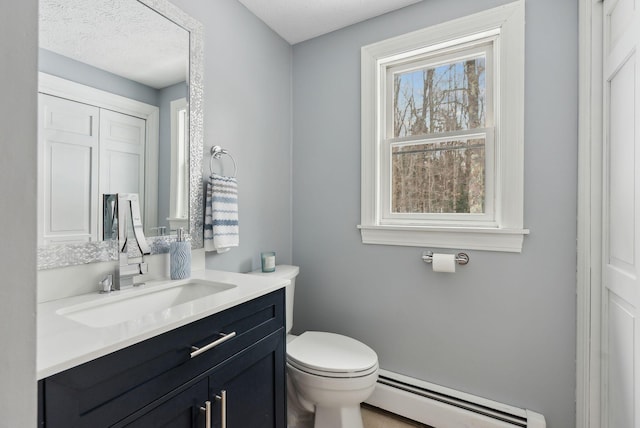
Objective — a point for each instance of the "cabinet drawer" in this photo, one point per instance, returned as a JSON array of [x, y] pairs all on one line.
[[103, 391]]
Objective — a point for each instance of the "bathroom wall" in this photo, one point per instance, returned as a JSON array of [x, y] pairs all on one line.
[[502, 327], [247, 110], [58, 65], [18, 50]]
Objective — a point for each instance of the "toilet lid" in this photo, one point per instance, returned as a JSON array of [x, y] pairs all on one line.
[[320, 352]]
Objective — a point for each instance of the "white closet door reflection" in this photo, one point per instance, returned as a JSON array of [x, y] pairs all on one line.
[[122, 155], [84, 152], [68, 161]]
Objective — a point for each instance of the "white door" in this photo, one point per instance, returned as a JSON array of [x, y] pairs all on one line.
[[68, 165], [621, 216], [122, 154]]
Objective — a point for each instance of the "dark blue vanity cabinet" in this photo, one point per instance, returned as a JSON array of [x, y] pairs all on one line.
[[157, 383]]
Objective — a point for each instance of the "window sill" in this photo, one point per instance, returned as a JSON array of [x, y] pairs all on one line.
[[470, 238]]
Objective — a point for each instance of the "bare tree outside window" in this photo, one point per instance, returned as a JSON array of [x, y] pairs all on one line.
[[441, 175]]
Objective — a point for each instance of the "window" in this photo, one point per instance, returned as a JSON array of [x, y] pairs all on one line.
[[442, 135], [437, 131], [179, 192]]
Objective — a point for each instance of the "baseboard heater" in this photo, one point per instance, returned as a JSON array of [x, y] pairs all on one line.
[[442, 407]]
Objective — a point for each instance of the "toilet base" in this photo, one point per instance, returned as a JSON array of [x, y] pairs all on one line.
[[298, 415], [338, 417], [298, 421]]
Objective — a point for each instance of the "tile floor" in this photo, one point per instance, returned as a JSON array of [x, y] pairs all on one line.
[[372, 417]]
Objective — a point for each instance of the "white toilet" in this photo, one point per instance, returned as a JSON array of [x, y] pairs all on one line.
[[327, 373]]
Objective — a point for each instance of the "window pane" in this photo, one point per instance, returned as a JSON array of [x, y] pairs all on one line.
[[443, 98], [442, 177]]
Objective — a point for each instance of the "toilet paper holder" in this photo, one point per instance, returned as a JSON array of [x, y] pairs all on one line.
[[461, 258]]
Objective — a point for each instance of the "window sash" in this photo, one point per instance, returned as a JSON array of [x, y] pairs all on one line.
[[481, 47], [486, 219], [484, 46]]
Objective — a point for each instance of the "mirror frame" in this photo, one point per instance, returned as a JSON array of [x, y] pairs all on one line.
[[56, 256]]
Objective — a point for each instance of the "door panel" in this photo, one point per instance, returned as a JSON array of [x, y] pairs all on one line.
[[70, 174], [621, 344], [68, 161], [621, 221], [254, 384], [620, 17], [621, 175], [122, 155], [122, 172], [180, 411]]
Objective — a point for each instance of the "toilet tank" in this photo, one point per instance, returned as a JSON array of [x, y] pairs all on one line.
[[290, 273]]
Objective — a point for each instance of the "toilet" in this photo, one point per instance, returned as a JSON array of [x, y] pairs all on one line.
[[328, 374]]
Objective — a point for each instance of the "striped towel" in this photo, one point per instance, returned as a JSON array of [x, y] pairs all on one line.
[[221, 214]]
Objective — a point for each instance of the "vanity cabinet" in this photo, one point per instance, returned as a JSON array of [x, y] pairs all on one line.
[[160, 383]]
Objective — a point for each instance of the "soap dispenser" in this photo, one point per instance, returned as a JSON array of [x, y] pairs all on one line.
[[180, 257]]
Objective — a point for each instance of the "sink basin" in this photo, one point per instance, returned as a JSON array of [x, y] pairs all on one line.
[[142, 304]]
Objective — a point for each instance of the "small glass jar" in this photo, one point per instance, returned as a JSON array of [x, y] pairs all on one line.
[[268, 261]]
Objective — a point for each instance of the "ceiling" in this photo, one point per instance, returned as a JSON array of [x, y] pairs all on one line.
[[300, 20]]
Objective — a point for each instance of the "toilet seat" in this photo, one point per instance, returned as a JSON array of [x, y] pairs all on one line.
[[333, 375], [331, 355]]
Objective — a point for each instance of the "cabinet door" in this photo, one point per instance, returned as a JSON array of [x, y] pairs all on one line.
[[68, 171], [122, 156], [181, 410], [253, 382]]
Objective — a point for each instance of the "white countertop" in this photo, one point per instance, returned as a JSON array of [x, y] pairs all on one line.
[[63, 343]]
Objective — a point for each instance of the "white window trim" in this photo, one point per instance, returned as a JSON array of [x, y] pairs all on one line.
[[179, 204], [507, 23]]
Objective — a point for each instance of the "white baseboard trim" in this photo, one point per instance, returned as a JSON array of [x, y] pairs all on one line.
[[438, 406]]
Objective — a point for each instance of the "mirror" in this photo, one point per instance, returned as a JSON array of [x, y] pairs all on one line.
[[120, 110]]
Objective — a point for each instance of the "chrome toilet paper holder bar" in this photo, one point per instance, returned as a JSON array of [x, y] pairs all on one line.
[[461, 258]]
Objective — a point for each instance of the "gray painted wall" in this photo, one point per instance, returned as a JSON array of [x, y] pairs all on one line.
[[18, 109], [79, 72], [247, 110], [502, 327]]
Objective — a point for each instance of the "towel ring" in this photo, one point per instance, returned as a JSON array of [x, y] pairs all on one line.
[[216, 153]]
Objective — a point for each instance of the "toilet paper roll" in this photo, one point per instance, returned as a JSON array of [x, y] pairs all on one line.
[[444, 263]]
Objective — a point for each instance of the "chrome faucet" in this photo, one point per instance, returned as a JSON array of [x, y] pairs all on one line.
[[128, 204]]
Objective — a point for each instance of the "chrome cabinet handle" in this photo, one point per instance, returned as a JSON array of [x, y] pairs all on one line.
[[222, 398], [207, 412], [197, 351]]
